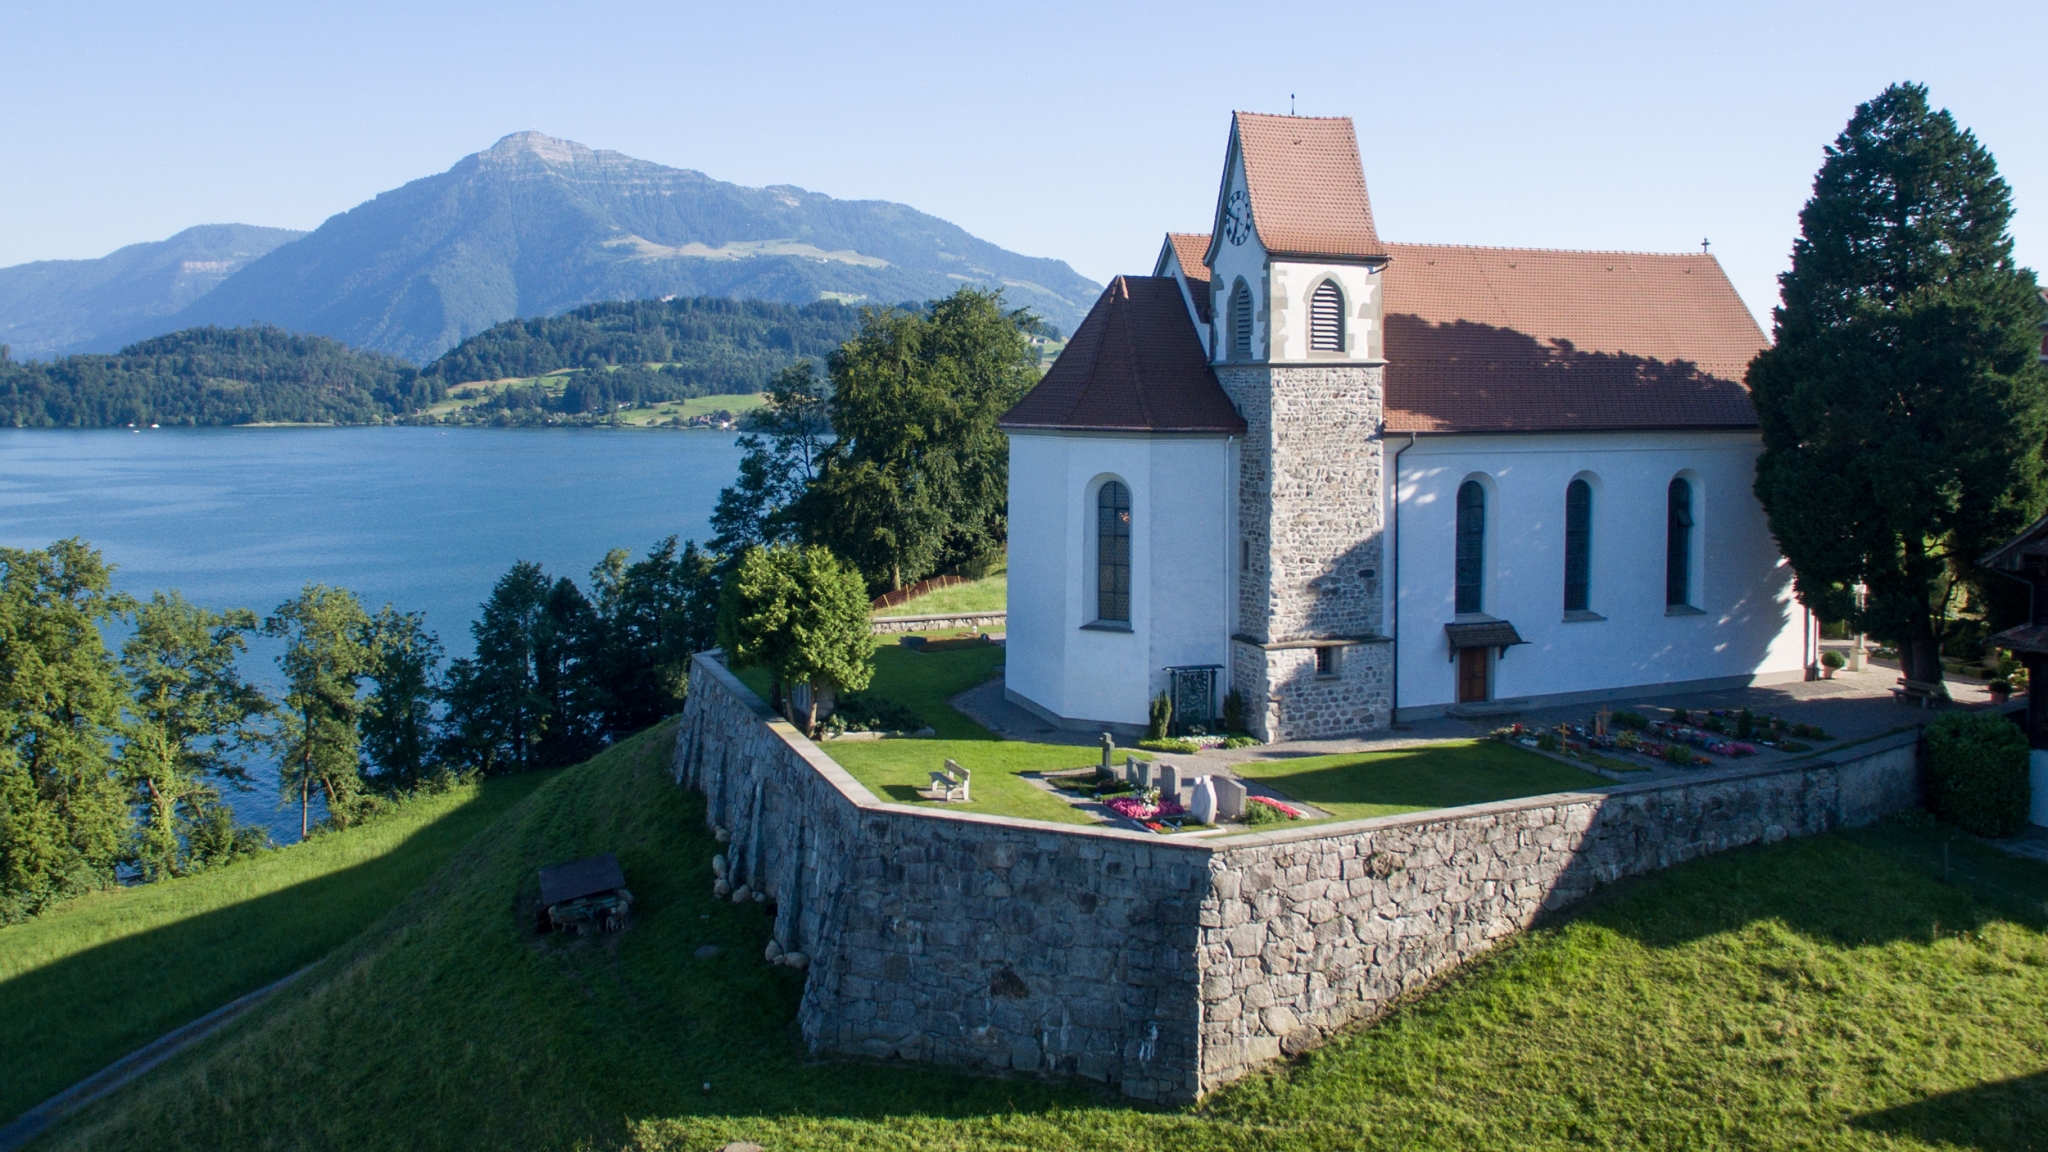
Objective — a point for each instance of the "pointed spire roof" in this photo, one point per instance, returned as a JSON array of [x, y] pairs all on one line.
[[1134, 365], [1307, 186]]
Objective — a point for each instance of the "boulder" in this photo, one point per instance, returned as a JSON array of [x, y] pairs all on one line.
[[742, 894], [718, 866], [721, 889]]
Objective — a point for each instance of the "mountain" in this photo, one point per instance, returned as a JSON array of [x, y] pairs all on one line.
[[214, 376], [56, 306], [535, 225]]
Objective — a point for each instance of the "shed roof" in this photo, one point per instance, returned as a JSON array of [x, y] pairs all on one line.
[[589, 876], [1134, 365]]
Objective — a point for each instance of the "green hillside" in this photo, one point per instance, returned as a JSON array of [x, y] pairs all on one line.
[[213, 376], [1828, 992], [93, 979]]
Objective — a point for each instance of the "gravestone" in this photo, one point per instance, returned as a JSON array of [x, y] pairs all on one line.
[[1204, 804], [1143, 779], [1170, 782], [1230, 797], [1108, 769]]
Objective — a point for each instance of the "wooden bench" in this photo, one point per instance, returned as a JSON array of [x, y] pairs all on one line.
[[1920, 692]]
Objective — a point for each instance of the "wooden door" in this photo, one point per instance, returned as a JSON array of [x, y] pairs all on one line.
[[1472, 669]]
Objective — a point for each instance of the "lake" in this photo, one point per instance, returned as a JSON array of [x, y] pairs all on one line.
[[424, 518]]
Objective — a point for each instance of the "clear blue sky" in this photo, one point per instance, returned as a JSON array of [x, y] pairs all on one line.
[[1081, 131]]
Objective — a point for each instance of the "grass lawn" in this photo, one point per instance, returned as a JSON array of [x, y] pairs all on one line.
[[1354, 786], [1830, 992], [102, 975], [991, 593], [923, 682]]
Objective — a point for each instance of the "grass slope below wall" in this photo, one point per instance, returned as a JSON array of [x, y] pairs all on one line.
[[1830, 992], [94, 979]]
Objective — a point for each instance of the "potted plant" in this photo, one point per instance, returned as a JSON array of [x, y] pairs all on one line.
[[2001, 690], [1830, 662]]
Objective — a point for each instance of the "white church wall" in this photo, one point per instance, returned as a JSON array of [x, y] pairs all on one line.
[[1748, 624], [1180, 581]]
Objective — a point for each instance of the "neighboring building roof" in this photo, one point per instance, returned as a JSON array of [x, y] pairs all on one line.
[[1134, 365], [1306, 184], [1188, 248], [1524, 340]]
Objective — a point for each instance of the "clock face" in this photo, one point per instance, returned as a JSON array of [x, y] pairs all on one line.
[[1237, 217]]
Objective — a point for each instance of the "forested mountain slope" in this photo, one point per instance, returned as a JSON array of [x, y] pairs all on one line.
[[52, 307], [213, 376], [726, 346], [536, 225]]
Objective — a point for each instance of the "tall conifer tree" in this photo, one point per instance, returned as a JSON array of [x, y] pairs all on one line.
[[1902, 403]]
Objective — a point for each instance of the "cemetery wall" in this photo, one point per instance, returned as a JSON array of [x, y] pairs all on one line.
[[1170, 967]]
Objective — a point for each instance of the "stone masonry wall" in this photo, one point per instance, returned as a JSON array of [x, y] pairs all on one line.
[[1317, 928], [1170, 967], [1309, 504], [981, 942]]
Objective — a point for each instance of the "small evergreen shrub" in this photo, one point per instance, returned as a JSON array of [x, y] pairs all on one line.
[[1233, 711], [1745, 724], [1678, 754], [1632, 721], [1241, 741], [1714, 724], [1977, 772], [1834, 659], [1680, 716], [1176, 747], [1547, 741], [1161, 718]]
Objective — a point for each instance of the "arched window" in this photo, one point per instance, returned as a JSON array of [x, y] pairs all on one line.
[[1578, 545], [1326, 318], [1678, 545], [1113, 553], [1241, 322], [1471, 567]]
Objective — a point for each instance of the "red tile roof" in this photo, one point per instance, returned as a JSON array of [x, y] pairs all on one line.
[[1306, 184], [1134, 365], [1516, 339], [1188, 250]]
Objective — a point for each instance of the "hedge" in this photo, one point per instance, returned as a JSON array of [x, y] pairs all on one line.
[[1977, 772]]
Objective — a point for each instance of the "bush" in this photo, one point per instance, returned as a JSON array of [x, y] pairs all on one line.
[[1177, 747], [1714, 724], [1161, 718], [1241, 740], [1233, 711], [1678, 754], [1633, 721], [1834, 659], [1977, 772], [1745, 724], [856, 713], [1546, 741]]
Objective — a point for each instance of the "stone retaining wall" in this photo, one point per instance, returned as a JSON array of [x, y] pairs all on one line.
[[945, 621], [1170, 967]]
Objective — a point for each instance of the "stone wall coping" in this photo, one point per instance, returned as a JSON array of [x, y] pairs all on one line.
[[858, 795]]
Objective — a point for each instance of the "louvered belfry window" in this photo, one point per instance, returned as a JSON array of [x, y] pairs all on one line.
[[1113, 553], [1241, 322], [1326, 318]]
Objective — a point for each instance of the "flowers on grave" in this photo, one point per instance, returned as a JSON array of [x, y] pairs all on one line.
[[1287, 810], [1143, 808]]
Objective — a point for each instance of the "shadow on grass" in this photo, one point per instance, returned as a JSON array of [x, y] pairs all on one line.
[[1892, 889], [1439, 776], [2000, 1116], [73, 1016]]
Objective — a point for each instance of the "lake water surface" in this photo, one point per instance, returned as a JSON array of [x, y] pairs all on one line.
[[424, 518]]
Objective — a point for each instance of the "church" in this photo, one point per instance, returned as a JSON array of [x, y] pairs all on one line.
[[1334, 482]]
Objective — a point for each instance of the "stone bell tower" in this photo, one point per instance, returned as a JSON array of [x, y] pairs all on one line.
[[1296, 342]]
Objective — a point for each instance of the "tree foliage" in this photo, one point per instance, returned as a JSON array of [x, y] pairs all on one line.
[[214, 376], [802, 614], [917, 476], [64, 819], [399, 717], [191, 716], [1902, 405], [778, 462], [319, 738], [711, 343]]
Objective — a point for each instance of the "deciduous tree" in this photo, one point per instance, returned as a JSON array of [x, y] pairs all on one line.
[[399, 718], [190, 717], [1902, 404], [802, 614], [319, 740]]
